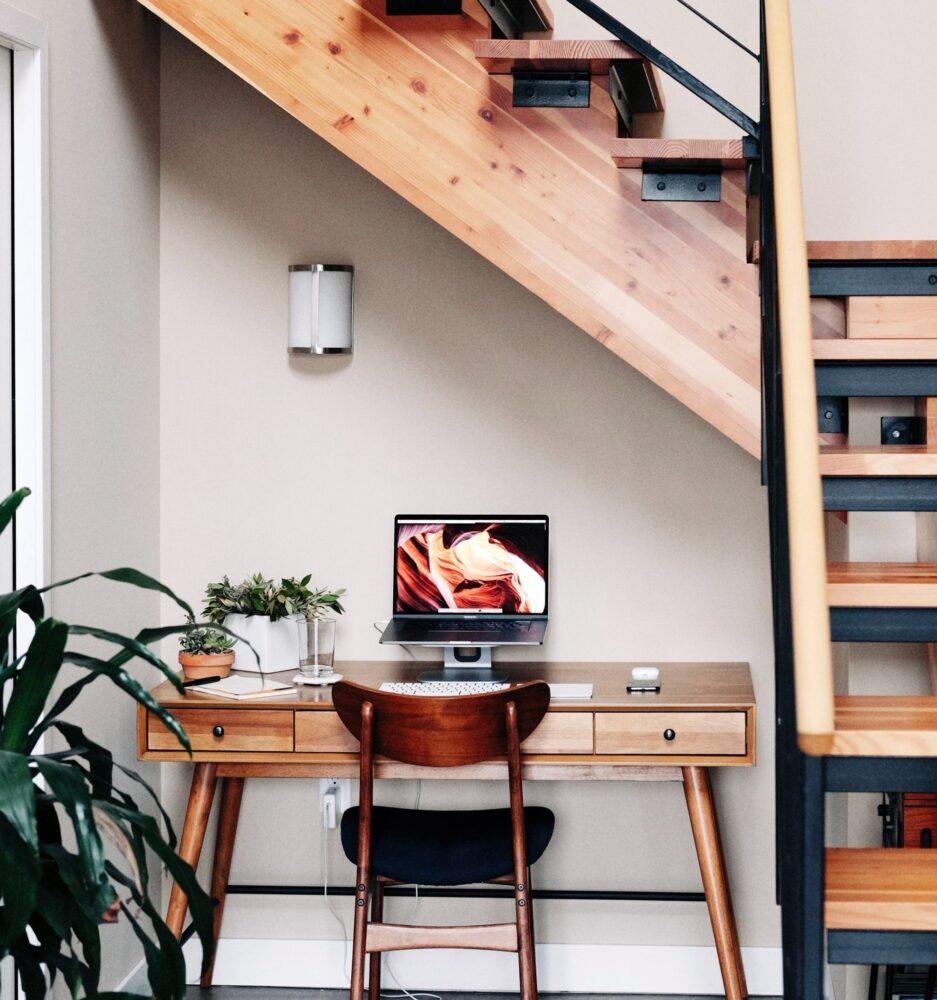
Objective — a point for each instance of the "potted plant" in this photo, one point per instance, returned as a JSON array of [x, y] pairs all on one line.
[[264, 615], [58, 806], [205, 652]]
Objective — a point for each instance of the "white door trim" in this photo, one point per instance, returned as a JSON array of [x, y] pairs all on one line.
[[28, 38]]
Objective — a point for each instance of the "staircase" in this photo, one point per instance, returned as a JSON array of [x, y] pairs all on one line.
[[843, 321], [479, 131]]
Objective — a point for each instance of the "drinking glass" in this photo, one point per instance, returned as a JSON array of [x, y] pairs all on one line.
[[316, 649]]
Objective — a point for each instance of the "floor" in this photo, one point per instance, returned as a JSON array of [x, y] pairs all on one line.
[[259, 993]]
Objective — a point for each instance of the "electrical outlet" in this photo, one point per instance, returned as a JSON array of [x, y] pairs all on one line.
[[334, 799]]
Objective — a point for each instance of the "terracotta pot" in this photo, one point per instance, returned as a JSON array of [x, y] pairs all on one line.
[[196, 665]]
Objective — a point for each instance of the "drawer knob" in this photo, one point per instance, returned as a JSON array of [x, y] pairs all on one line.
[[217, 731], [670, 735]]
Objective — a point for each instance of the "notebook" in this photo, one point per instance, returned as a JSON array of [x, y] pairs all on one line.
[[240, 688]]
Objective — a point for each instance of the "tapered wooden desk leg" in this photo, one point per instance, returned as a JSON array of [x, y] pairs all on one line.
[[699, 802], [232, 789], [193, 833]]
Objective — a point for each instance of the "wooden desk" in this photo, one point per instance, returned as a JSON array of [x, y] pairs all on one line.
[[703, 717]]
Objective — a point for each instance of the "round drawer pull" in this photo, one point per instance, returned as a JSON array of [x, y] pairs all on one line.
[[670, 735], [217, 731]]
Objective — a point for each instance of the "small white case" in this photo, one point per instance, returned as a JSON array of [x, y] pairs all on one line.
[[645, 673]]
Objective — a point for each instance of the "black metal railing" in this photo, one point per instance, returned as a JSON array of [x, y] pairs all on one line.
[[673, 69]]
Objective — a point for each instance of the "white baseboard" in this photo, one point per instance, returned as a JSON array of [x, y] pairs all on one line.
[[574, 968]]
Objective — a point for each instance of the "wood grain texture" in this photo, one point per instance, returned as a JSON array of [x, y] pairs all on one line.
[[593, 55], [872, 249], [828, 318], [232, 792], [848, 349], [635, 153], [694, 732], [665, 286], [402, 937], [256, 729], [702, 812], [904, 317], [882, 585], [201, 796], [885, 725], [881, 888], [878, 460], [684, 686]]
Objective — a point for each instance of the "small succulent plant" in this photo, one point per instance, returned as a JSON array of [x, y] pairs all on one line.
[[202, 640], [259, 595]]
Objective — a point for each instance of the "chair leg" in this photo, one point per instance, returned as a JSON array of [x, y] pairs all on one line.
[[377, 917], [533, 933], [526, 958], [358, 953]]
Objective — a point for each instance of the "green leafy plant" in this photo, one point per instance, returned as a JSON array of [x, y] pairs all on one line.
[[201, 640], [57, 883], [258, 595]]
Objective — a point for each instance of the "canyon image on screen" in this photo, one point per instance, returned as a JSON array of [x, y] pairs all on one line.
[[471, 566]]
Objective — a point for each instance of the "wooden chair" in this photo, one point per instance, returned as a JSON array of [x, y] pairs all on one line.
[[451, 847]]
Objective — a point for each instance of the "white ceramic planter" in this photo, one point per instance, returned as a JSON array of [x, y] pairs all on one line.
[[276, 643]]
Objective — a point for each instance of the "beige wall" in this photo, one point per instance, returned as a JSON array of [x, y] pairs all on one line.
[[104, 165], [465, 393]]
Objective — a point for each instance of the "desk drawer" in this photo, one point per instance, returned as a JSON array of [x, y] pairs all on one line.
[[561, 732], [693, 733], [239, 729], [323, 732]]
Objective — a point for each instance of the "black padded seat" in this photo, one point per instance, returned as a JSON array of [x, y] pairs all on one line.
[[446, 847]]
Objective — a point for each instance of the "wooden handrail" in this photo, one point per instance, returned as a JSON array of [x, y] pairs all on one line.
[[810, 617]]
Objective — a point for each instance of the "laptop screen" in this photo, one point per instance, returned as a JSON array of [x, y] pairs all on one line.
[[470, 565]]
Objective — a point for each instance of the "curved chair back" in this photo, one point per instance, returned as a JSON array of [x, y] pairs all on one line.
[[441, 732]]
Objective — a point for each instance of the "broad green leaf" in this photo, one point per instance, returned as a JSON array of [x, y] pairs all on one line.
[[18, 797], [200, 905], [19, 884], [165, 968], [8, 506], [123, 680], [67, 785], [33, 683]]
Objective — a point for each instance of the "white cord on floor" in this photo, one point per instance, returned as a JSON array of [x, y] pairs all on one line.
[[346, 957]]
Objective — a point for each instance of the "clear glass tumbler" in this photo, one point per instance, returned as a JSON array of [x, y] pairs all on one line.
[[316, 649]]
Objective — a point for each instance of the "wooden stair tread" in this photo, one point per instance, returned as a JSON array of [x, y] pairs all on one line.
[[872, 249], [884, 726], [553, 55], [900, 317], [886, 349], [591, 55], [882, 585], [878, 460], [637, 152], [820, 250], [880, 888]]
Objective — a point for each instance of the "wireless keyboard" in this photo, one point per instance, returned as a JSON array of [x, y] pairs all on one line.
[[446, 689], [443, 689]]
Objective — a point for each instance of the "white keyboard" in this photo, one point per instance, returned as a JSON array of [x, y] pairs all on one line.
[[443, 689], [448, 689]]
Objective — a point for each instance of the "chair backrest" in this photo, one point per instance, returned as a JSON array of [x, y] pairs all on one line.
[[441, 732]]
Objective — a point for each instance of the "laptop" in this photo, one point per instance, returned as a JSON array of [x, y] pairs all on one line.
[[469, 580]]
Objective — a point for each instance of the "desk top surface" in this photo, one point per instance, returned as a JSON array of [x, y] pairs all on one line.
[[688, 686]]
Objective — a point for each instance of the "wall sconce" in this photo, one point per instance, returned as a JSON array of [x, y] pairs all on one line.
[[321, 314]]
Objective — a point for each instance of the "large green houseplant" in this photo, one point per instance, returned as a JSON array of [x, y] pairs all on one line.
[[57, 808]]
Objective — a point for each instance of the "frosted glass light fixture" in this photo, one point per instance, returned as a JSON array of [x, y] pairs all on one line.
[[321, 314]]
